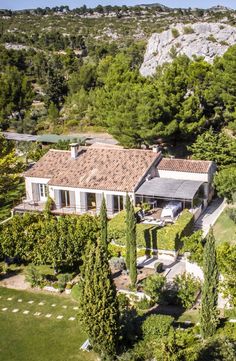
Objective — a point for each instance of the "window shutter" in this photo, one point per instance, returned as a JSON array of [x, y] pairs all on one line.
[[35, 192], [98, 201], [110, 204], [57, 198], [72, 199]]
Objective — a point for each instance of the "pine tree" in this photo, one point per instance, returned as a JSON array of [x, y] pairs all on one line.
[[208, 313], [98, 303], [103, 222], [131, 260]]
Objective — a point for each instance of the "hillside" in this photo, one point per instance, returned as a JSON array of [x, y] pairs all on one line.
[[67, 71], [104, 24]]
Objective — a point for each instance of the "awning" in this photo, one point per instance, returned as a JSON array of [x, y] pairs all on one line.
[[169, 188]]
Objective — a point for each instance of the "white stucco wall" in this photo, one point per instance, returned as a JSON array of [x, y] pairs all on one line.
[[78, 192], [183, 175], [28, 185]]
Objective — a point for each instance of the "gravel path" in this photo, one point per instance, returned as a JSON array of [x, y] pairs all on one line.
[[16, 281]]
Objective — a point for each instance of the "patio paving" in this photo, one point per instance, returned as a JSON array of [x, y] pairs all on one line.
[[210, 215], [171, 267]]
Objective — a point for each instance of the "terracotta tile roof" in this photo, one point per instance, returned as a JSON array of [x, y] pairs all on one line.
[[184, 165], [95, 168]]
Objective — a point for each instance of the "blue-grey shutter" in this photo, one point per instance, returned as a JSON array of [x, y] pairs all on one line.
[[35, 192], [110, 204], [72, 199], [98, 201], [57, 198], [83, 202]]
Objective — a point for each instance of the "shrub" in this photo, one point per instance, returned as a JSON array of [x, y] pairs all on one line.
[[143, 304], [33, 276], [146, 207], [156, 326], [195, 245], [49, 205], [224, 43], [62, 281], [123, 302], [187, 289], [158, 267], [169, 295], [118, 263], [175, 33], [212, 38], [153, 286], [188, 30], [232, 214], [115, 250]]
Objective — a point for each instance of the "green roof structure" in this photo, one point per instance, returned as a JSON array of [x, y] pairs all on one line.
[[54, 138]]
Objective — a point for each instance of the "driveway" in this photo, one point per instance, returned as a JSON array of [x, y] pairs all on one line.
[[210, 215]]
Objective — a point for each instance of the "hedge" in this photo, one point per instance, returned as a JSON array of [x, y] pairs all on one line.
[[170, 236], [151, 236]]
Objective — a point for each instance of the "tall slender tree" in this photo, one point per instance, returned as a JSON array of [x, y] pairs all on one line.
[[127, 208], [103, 222], [98, 302], [208, 314], [133, 248], [131, 260]]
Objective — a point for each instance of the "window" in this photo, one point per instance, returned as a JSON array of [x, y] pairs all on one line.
[[91, 201], [118, 203], [65, 198], [43, 190]]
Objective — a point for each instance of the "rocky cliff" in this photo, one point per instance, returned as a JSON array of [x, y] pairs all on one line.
[[200, 39]]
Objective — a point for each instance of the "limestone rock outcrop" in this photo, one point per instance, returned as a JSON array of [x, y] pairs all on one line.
[[200, 39]]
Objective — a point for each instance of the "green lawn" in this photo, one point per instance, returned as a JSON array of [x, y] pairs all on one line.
[[189, 315], [29, 337], [225, 229]]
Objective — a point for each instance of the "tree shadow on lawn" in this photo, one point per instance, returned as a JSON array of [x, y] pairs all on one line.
[[170, 310]]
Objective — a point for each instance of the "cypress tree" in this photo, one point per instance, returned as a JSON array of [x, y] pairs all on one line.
[[131, 251], [208, 313], [133, 248], [127, 208], [98, 303], [103, 221]]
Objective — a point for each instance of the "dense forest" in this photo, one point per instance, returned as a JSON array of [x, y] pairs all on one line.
[[57, 76]]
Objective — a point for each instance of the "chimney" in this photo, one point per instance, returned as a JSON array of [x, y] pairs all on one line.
[[155, 149], [74, 149], [148, 177]]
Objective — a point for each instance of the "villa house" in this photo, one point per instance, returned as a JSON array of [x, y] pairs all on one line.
[[76, 180]]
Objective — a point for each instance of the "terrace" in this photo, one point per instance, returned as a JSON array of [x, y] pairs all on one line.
[[32, 206]]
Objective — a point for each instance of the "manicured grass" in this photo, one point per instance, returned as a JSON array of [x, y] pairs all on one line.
[[189, 315], [26, 337], [225, 229]]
